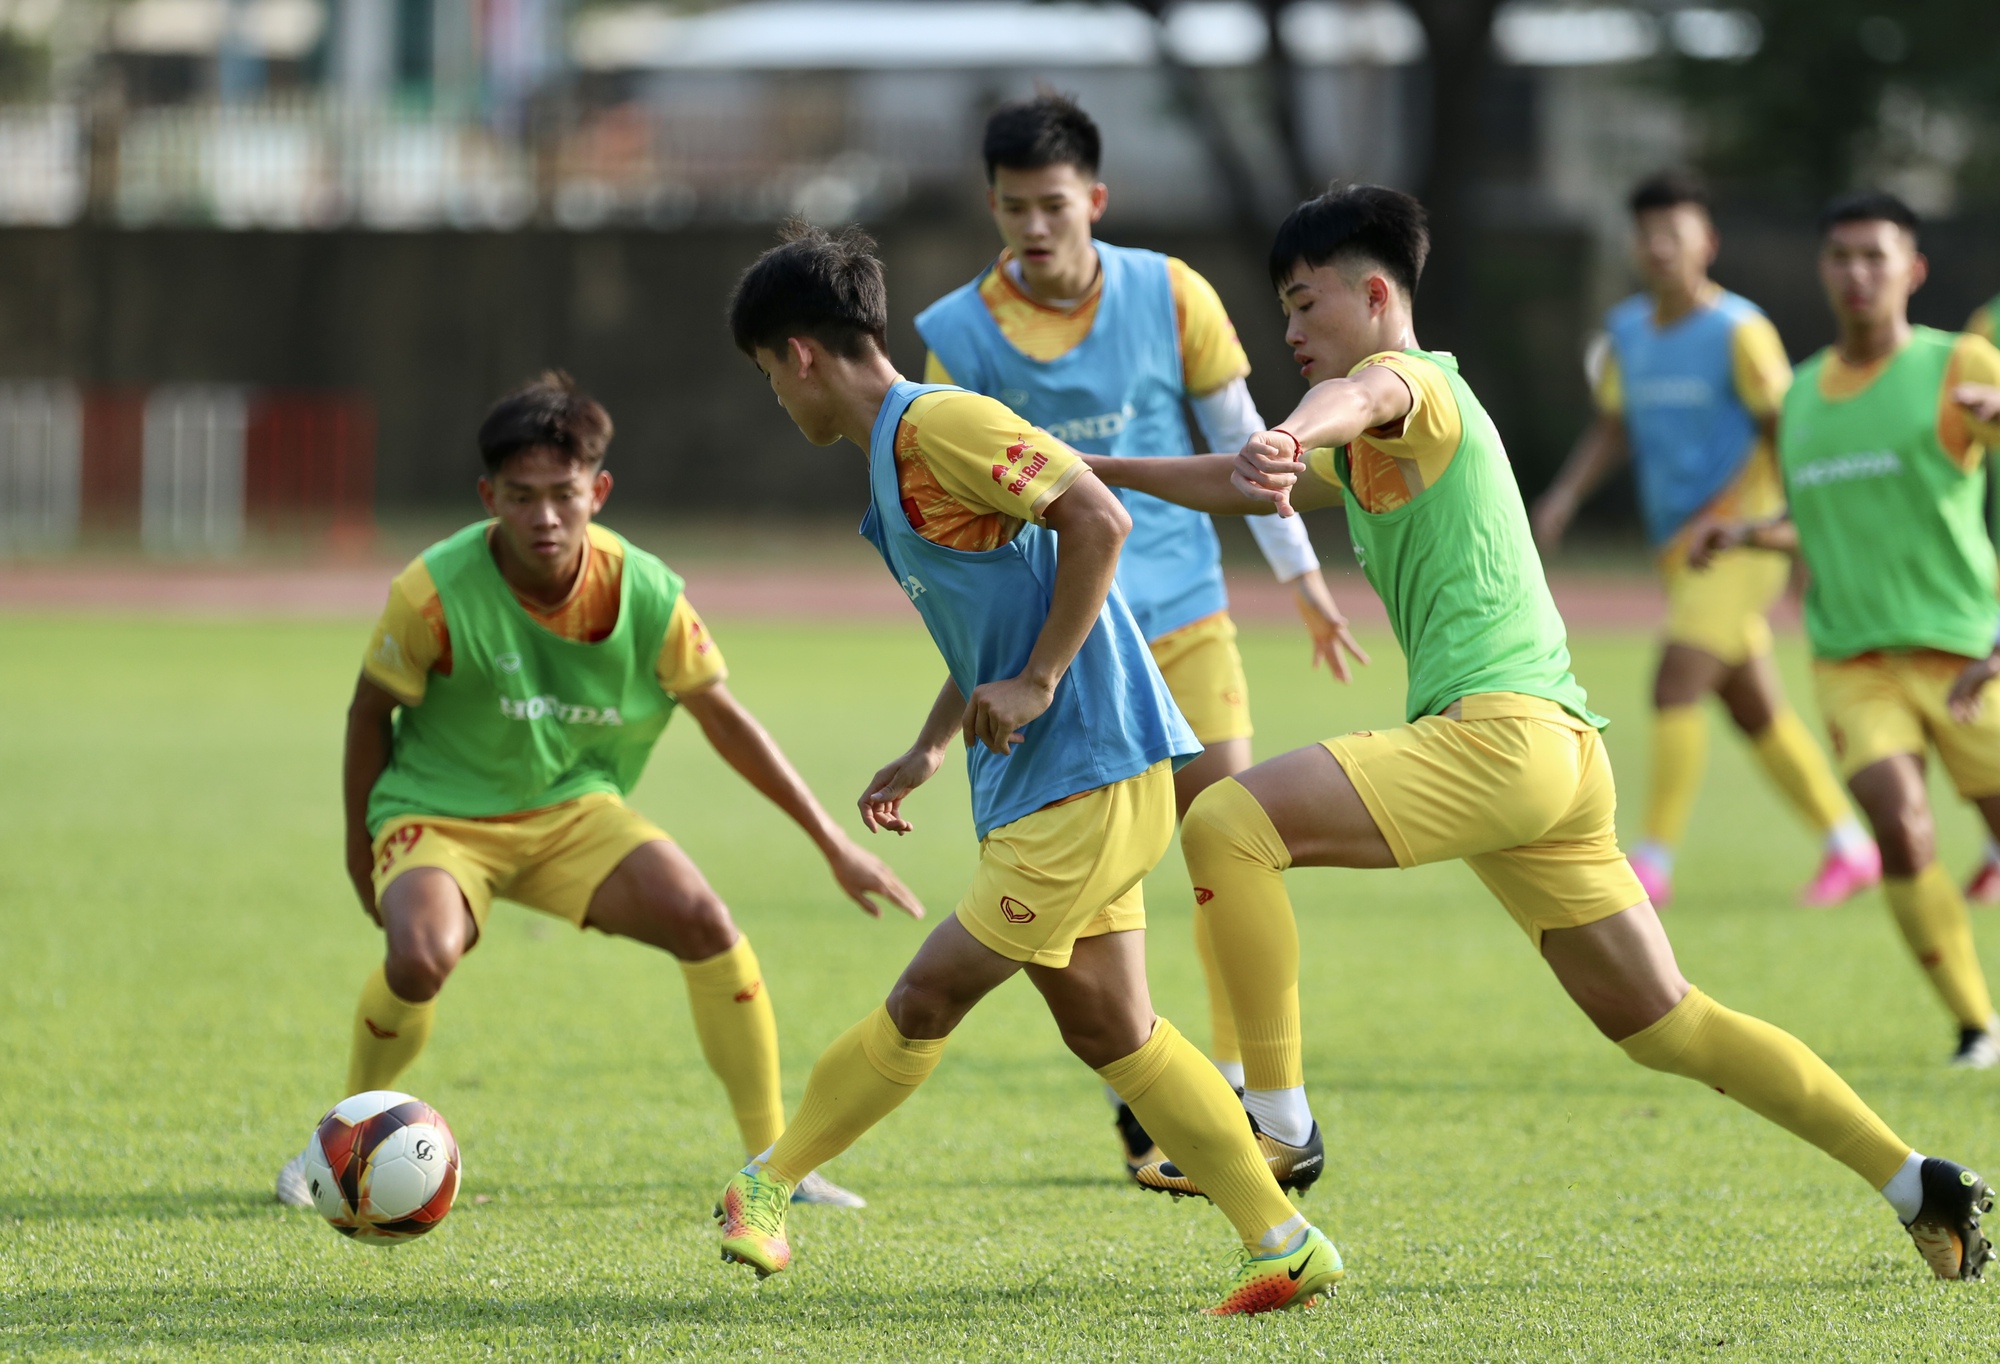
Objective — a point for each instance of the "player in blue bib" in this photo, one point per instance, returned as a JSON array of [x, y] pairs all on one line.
[[1688, 381], [1107, 348], [1008, 547]]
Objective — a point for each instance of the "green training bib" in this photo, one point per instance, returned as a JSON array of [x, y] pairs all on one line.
[[1893, 531], [1457, 569], [527, 719]]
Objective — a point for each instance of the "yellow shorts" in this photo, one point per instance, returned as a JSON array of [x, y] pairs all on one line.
[[1721, 609], [1518, 788], [1072, 870], [1204, 671], [552, 860], [1881, 704]]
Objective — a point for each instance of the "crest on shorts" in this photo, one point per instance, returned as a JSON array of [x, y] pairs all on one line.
[[1015, 911]]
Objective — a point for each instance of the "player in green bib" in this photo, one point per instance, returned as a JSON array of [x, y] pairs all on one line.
[[1882, 444], [510, 698], [1499, 762]]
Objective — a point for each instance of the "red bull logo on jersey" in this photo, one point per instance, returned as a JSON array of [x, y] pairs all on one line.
[[554, 708], [1036, 462]]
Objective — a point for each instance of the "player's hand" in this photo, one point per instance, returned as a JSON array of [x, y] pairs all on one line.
[[1267, 466], [1965, 702], [1550, 518], [882, 803], [1980, 401], [998, 711], [1710, 538], [863, 875], [1328, 627], [361, 871]]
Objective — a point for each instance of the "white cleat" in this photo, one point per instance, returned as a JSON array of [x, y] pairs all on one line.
[[1978, 1049], [817, 1188], [292, 1190]]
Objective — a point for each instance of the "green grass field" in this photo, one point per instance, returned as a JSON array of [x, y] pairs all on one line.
[[181, 954]]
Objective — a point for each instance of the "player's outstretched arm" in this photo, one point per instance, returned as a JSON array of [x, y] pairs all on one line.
[[1197, 481], [1711, 538], [1271, 463], [1599, 453], [1093, 525], [882, 803], [370, 740], [749, 748]]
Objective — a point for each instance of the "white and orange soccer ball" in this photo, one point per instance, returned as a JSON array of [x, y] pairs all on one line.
[[382, 1167]]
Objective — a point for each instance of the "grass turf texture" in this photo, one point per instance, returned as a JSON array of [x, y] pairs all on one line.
[[182, 954]]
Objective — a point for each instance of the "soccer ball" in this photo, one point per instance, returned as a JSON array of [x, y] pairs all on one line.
[[382, 1167]]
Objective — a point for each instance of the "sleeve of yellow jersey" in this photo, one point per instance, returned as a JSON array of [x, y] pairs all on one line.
[[1211, 353], [934, 370], [405, 645], [989, 458], [1974, 360], [1607, 381], [1763, 371], [1985, 321], [689, 658], [1432, 430]]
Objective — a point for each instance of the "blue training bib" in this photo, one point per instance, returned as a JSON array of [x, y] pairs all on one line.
[[1112, 716], [1117, 393]]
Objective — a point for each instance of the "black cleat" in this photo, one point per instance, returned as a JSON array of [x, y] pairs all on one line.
[[1978, 1049], [1296, 1168], [1946, 1228], [1140, 1148]]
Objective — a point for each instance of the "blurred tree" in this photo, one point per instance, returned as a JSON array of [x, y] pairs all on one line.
[[1842, 90]]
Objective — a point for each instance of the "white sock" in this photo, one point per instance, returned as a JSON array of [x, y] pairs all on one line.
[[756, 1165], [1284, 1113], [1659, 854], [1846, 837], [1993, 850], [1232, 1071], [1905, 1189], [1284, 1238]]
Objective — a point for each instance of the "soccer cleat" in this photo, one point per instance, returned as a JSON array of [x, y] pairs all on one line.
[[751, 1213], [1656, 880], [1140, 1149], [1278, 1283], [1842, 876], [1946, 1227], [1294, 1167], [1978, 1049], [1984, 887], [292, 1190], [817, 1188]]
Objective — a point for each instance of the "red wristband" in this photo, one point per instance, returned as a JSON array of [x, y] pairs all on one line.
[[1298, 450]]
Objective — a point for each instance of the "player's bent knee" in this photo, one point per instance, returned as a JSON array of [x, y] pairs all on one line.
[[416, 972], [1214, 826]]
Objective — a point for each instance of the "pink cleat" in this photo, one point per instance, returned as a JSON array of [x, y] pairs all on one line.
[[1984, 887], [1656, 880], [1843, 875]]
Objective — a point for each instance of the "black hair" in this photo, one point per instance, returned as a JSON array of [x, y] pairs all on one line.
[[1382, 226], [815, 283], [1668, 189], [548, 412], [1048, 130], [1868, 206]]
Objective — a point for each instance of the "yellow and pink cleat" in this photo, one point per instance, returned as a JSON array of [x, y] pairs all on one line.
[[1844, 874], [1280, 1283], [751, 1213]]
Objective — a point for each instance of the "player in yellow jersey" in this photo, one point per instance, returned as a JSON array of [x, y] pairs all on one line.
[[510, 696], [1688, 387], [1107, 348], [1984, 887], [1884, 445]]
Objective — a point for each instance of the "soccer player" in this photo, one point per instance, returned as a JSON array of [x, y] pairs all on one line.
[[1883, 446], [510, 696], [1105, 347], [1071, 738], [1689, 389], [1499, 763]]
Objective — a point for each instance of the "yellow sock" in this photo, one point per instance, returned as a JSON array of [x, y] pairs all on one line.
[[860, 1080], [1931, 913], [1235, 856], [739, 1036], [1680, 752], [1195, 1116], [1222, 1044], [1795, 763], [1774, 1075], [388, 1034]]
